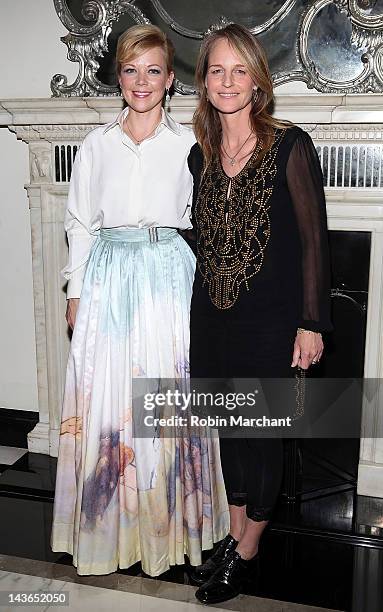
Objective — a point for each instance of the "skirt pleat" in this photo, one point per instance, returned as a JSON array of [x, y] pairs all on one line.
[[121, 499]]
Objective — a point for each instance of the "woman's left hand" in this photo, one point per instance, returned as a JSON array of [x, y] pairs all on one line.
[[308, 349]]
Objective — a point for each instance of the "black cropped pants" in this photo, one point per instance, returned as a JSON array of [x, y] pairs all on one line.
[[221, 348]]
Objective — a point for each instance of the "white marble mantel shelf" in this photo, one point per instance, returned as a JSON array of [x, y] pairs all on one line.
[[44, 123], [300, 108]]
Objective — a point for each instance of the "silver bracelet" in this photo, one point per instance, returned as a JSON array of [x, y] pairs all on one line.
[[301, 330]]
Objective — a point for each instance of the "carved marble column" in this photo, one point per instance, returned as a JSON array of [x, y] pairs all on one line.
[[47, 126], [370, 472], [47, 205]]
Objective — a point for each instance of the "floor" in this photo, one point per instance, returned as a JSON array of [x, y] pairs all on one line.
[[323, 552], [118, 591]]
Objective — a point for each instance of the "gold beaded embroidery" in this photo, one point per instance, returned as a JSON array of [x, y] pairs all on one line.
[[233, 231]]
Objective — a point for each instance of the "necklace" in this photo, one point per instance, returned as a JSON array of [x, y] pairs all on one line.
[[232, 159], [138, 142], [247, 154]]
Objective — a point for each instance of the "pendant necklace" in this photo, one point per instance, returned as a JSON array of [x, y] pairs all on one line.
[[138, 142], [232, 159]]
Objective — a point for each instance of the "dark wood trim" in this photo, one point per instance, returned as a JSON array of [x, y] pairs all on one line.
[[354, 539]]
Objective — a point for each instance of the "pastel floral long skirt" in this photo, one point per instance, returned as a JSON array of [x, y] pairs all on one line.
[[121, 499]]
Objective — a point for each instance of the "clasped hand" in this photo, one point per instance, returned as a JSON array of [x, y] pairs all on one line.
[[308, 349]]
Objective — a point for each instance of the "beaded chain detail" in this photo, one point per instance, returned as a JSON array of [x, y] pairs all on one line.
[[233, 231]]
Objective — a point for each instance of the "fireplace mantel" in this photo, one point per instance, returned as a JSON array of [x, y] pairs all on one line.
[[56, 126], [304, 108]]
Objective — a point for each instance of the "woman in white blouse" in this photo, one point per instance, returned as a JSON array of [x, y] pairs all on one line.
[[121, 499]]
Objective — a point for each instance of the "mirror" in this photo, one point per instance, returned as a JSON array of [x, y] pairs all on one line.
[[279, 41], [314, 41], [329, 46]]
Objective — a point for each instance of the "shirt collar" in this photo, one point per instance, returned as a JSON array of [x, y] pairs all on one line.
[[166, 120]]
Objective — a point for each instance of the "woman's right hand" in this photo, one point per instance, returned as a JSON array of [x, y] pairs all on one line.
[[71, 311]]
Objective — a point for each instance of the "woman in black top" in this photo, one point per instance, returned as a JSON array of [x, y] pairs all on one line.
[[261, 291]]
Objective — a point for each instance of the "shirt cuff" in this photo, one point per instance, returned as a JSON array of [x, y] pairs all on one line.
[[74, 286]]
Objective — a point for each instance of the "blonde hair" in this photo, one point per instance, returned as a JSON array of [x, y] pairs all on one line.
[[207, 125], [139, 39]]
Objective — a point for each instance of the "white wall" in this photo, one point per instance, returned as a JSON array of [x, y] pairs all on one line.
[[30, 43]]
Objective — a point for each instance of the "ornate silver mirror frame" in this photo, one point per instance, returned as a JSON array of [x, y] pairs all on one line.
[[88, 42]]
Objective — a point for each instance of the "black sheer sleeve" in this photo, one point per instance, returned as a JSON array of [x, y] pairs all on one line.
[[195, 163], [305, 183]]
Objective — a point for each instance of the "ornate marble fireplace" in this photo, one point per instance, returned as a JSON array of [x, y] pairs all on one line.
[[348, 132]]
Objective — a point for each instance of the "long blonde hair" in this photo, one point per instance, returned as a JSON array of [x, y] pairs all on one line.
[[207, 125]]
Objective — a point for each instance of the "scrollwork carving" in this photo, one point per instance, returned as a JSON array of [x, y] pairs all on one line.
[[95, 11], [87, 43], [363, 37], [222, 22]]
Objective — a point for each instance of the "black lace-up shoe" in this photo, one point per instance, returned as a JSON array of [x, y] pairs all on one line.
[[202, 573], [228, 579]]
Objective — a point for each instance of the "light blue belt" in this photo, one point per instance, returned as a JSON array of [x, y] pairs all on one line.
[[145, 234]]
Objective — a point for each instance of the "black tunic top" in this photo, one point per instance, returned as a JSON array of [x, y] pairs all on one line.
[[262, 253]]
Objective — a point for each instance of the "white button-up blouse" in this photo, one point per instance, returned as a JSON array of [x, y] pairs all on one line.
[[116, 183]]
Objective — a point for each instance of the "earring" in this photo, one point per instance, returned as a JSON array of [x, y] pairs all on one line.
[[167, 100], [254, 95]]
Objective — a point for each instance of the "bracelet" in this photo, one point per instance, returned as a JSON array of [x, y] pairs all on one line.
[[301, 330]]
